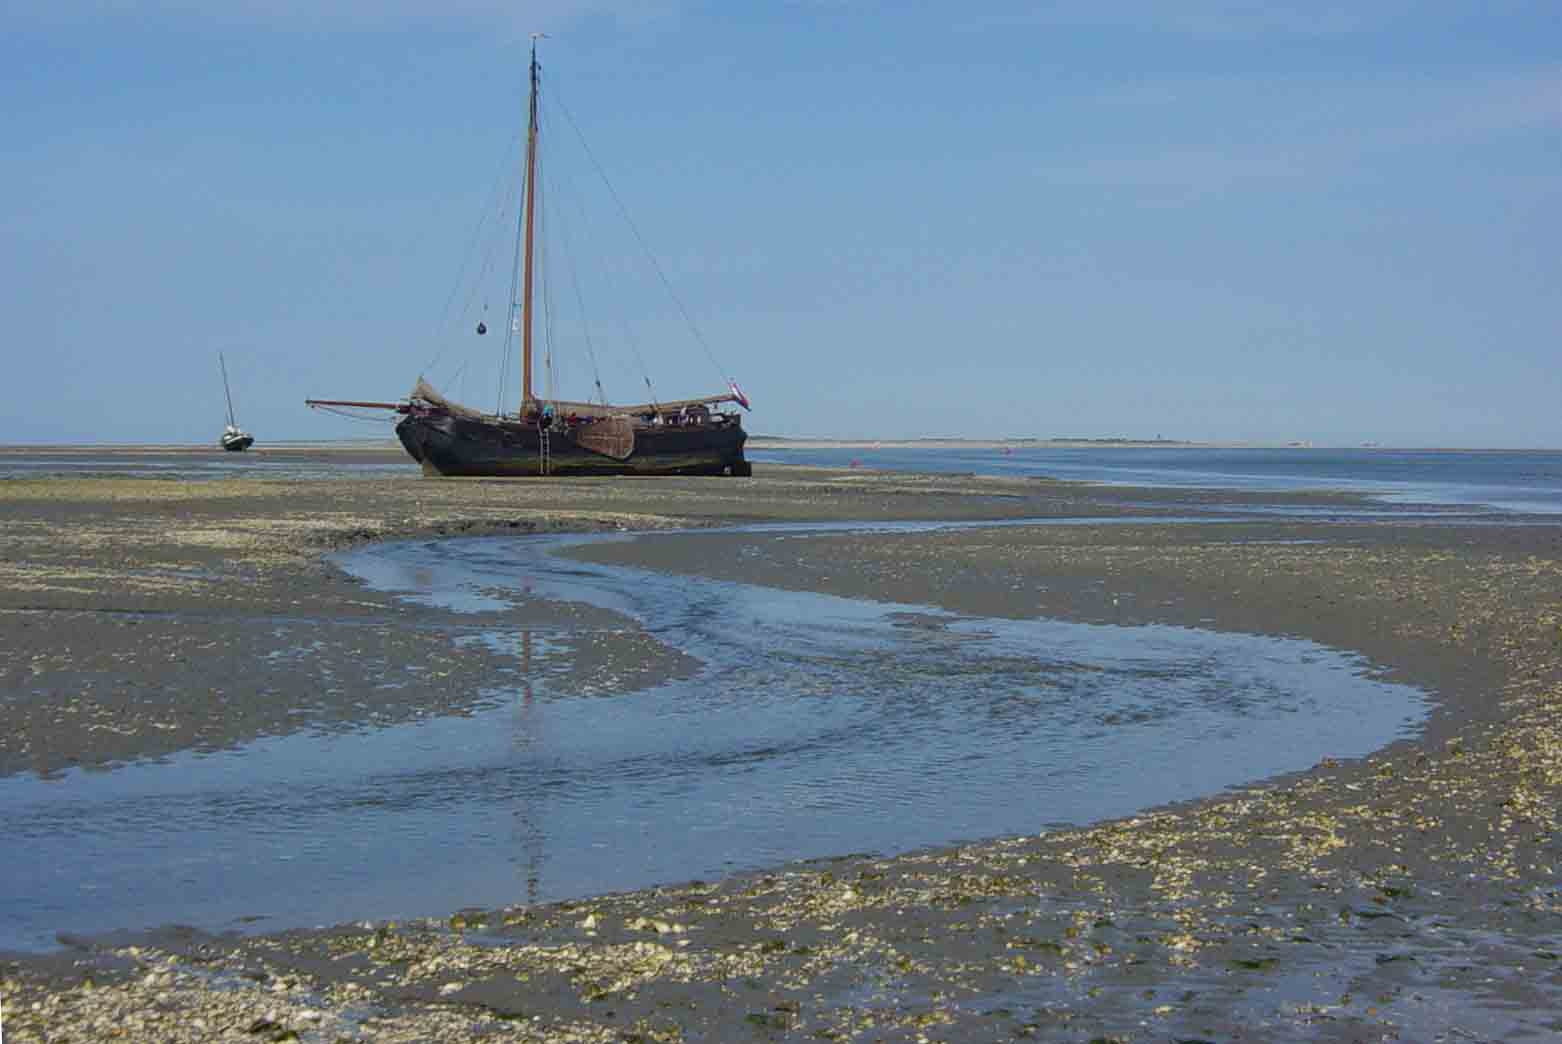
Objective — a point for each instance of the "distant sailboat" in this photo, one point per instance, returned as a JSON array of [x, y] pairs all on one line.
[[548, 436], [233, 439]]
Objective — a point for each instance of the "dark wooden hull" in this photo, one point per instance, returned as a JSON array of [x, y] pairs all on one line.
[[455, 445]]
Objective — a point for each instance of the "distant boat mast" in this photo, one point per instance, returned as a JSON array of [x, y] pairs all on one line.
[[226, 391]]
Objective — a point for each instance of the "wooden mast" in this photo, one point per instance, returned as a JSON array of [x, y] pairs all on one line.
[[531, 198]]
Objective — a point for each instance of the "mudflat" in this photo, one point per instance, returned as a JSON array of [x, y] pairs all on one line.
[[1412, 895]]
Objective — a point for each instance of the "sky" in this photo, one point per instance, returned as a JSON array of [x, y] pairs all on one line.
[[1210, 220]]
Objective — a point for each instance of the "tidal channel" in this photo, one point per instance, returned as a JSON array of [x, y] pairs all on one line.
[[658, 728]]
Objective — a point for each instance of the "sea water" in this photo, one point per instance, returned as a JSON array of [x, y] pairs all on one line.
[[1498, 481], [808, 725], [1507, 481]]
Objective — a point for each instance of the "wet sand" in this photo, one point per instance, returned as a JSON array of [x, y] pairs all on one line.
[[1413, 895]]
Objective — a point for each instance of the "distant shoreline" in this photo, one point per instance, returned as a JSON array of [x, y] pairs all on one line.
[[390, 447], [781, 442]]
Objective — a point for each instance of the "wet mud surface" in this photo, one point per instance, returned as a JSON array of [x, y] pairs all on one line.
[[1411, 895]]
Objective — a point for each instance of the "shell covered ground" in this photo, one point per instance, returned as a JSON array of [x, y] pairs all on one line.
[[1413, 895]]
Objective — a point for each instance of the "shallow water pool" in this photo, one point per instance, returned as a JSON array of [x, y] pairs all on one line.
[[798, 725]]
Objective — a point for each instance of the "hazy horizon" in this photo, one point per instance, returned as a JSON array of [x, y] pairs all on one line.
[[1210, 222], [390, 443]]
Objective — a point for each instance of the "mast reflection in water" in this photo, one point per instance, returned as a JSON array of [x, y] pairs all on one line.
[[659, 729]]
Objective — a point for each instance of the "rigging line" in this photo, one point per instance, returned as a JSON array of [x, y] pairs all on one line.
[[657, 265], [504, 363], [511, 327], [458, 378], [634, 348], [495, 195], [477, 287], [580, 299], [613, 292], [542, 270], [495, 244], [504, 376], [545, 266]]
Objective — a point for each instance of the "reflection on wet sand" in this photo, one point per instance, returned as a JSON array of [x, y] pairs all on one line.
[[803, 724]]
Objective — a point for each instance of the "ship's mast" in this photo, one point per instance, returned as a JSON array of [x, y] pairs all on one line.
[[225, 390], [531, 198]]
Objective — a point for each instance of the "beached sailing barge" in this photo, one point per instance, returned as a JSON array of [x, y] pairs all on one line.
[[547, 436]]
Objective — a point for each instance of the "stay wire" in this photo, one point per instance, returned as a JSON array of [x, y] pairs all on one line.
[[511, 320], [496, 195], [613, 291], [667, 283], [545, 272], [580, 298]]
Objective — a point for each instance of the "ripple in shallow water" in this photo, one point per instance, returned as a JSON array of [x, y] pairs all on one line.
[[811, 725]]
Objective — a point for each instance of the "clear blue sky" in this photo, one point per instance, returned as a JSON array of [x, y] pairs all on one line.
[[1202, 220]]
